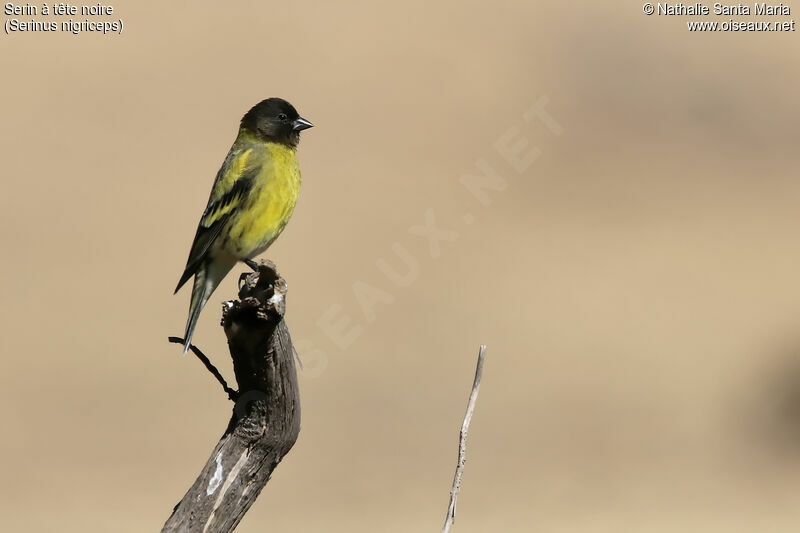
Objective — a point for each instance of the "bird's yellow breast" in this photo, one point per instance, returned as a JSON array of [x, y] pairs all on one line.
[[269, 205]]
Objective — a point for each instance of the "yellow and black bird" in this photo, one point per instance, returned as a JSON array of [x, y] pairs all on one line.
[[251, 201]]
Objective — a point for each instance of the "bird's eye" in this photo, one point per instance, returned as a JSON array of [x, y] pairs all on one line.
[[282, 117]]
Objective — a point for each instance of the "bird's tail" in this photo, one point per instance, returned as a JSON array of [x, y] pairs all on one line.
[[205, 282]]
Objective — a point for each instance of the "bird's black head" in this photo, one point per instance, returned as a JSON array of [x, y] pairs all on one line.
[[275, 120]]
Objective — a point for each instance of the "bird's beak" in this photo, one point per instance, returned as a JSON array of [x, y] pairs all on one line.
[[301, 124]]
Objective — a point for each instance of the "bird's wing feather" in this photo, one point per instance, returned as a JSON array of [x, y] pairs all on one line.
[[232, 185]]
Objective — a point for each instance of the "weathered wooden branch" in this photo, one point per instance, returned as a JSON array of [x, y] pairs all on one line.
[[266, 417], [462, 443]]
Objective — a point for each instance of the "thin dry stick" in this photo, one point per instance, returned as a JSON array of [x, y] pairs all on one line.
[[462, 443], [232, 394]]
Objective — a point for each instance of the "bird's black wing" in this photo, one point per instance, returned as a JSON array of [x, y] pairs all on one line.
[[216, 215]]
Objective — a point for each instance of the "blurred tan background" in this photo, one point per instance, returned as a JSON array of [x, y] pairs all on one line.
[[636, 283]]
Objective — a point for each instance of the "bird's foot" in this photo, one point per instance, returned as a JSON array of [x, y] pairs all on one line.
[[252, 264]]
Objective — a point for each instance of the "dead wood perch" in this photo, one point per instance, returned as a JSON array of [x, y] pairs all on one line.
[[266, 417]]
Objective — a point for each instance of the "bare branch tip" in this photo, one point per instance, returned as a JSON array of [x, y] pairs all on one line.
[[462, 443]]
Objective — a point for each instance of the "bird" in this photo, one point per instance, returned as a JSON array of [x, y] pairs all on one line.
[[251, 201]]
